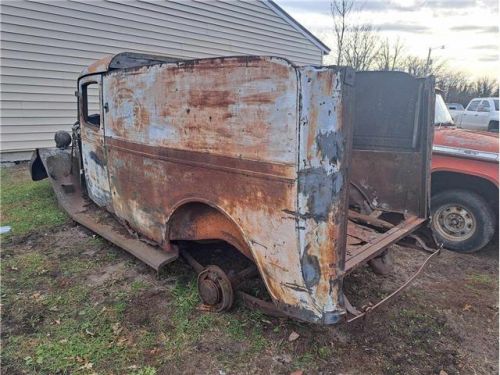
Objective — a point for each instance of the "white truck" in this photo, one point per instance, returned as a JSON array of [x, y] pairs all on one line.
[[480, 114], [456, 110]]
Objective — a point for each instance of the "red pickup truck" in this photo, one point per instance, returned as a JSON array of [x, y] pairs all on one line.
[[464, 184]]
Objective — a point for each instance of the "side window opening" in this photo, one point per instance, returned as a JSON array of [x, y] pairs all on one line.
[[473, 105], [91, 108], [484, 107]]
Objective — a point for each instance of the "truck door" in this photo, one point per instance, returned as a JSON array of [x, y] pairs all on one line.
[[470, 115], [392, 142], [483, 115], [92, 134]]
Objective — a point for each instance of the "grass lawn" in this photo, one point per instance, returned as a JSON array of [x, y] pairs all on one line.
[[73, 303], [28, 205]]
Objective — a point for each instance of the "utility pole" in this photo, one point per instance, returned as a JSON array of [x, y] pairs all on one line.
[[429, 61]]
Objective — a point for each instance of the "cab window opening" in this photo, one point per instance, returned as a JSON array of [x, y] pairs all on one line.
[[90, 104]]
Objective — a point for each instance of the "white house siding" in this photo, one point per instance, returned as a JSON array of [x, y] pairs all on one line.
[[44, 46]]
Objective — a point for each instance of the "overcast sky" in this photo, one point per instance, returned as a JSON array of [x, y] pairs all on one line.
[[467, 28]]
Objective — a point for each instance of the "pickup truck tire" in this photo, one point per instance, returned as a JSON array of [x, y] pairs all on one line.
[[493, 126], [462, 220]]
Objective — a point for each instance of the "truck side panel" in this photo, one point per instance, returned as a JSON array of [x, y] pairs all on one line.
[[209, 132], [224, 132], [235, 107]]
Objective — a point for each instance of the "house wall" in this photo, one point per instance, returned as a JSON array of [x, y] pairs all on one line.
[[44, 46]]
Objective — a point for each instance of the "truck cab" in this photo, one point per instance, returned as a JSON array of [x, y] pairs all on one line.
[[480, 114]]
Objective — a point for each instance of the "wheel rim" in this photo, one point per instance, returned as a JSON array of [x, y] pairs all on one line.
[[215, 288], [454, 222]]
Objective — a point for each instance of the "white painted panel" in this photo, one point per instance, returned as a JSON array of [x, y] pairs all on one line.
[[21, 105], [44, 46], [32, 89], [38, 73], [152, 32], [23, 121], [47, 66], [156, 18], [39, 129], [85, 43], [15, 146]]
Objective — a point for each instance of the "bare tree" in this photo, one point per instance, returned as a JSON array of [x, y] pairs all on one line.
[[340, 10], [417, 66], [360, 48], [390, 55], [455, 86], [485, 87], [459, 89]]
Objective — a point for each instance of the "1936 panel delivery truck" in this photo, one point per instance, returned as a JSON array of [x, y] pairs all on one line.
[[269, 157]]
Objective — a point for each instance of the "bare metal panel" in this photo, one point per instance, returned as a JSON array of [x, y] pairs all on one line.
[[238, 149], [393, 131]]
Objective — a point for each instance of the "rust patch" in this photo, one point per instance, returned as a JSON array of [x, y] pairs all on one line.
[[205, 98]]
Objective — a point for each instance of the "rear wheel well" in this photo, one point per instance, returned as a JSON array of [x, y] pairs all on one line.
[[441, 181], [198, 221]]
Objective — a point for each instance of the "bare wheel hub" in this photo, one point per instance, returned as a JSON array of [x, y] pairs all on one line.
[[454, 222], [215, 288]]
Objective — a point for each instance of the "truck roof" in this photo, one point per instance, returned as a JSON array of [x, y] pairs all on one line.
[[125, 60], [488, 97]]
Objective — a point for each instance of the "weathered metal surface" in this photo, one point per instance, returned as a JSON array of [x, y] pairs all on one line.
[[254, 151], [93, 151], [324, 136], [99, 66], [57, 165], [392, 141], [356, 216], [124, 60], [466, 152], [357, 255], [466, 139], [238, 149], [266, 307], [215, 289]]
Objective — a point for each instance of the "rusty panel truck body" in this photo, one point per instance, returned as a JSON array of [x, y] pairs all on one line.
[[253, 151]]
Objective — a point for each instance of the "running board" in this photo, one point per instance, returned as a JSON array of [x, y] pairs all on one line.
[[153, 256], [66, 185]]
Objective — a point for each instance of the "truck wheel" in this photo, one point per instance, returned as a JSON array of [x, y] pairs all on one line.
[[493, 126], [462, 220]]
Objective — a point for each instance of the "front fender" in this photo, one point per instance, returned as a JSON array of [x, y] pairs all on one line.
[[37, 169]]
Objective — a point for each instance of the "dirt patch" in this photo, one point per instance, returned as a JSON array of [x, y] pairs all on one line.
[[107, 273], [115, 313], [149, 310]]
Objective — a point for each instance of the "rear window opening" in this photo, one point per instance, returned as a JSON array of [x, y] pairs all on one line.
[[90, 104]]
